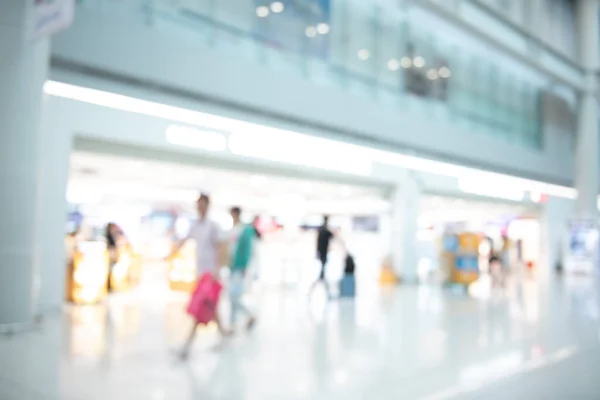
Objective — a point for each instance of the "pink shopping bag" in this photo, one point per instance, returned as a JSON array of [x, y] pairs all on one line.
[[204, 300]]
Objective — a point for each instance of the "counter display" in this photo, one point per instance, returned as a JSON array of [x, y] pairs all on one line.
[[87, 273], [126, 271]]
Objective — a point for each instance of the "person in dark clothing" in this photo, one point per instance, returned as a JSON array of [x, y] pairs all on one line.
[[324, 237], [114, 235], [111, 235], [349, 265]]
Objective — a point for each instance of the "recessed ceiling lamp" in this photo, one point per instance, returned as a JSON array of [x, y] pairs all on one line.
[[323, 28], [393, 65], [432, 74], [311, 31], [277, 7], [445, 72], [419, 62], [262, 11]]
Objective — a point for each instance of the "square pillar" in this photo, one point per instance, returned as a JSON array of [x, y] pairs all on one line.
[[404, 225]]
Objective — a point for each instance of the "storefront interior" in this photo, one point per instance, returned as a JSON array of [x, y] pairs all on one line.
[[508, 230], [153, 204]]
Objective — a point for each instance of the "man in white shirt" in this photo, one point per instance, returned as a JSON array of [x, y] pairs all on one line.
[[207, 236]]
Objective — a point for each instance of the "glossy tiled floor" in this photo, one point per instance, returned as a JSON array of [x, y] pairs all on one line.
[[527, 342]]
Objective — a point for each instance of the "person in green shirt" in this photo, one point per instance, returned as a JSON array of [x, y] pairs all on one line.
[[241, 241]]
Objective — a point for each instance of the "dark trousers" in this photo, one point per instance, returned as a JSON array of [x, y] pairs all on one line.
[[323, 260]]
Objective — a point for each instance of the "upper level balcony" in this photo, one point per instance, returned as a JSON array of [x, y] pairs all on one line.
[[370, 49]]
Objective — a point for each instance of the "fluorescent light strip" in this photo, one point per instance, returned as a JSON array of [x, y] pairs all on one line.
[[292, 148], [491, 189], [134, 105], [357, 159], [196, 138], [93, 191], [460, 172]]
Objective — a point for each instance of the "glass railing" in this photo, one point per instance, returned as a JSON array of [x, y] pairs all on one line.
[[361, 48]]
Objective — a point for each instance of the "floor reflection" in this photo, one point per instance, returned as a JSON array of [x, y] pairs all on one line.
[[406, 342], [583, 296]]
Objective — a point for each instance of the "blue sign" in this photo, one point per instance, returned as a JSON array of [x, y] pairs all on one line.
[[467, 263], [451, 243], [583, 236], [582, 250]]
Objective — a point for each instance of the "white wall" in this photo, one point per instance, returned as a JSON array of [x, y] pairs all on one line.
[[99, 129], [131, 48], [110, 130], [56, 144]]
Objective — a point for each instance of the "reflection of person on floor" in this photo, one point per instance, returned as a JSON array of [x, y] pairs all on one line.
[[321, 356], [206, 234], [222, 380], [324, 238], [496, 270], [241, 241]]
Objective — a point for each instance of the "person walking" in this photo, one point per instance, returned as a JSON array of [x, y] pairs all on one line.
[[206, 234], [241, 242], [114, 237], [324, 237]]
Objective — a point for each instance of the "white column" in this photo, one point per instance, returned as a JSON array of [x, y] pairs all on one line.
[[23, 68], [405, 214], [53, 172], [553, 225], [587, 166]]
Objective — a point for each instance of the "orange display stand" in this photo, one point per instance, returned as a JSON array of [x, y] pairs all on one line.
[[127, 271], [461, 257], [387, 275]]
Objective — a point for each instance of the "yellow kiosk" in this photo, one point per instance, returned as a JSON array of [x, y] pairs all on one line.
[[88, 270], [460, 255], [387, 276]]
